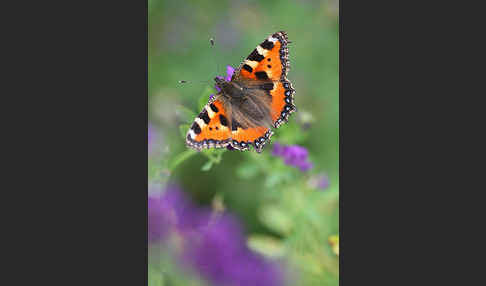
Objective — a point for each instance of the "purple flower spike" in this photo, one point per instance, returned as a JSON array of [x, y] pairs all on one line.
[[278, 149], [214, 246], [293, 155], [157, 225], [323, 182], [161, 213], [220, 254], [170, 210], [229, 73], [305, 166]]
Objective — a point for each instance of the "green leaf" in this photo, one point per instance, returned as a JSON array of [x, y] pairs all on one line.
[[275, 219], [213, 154], [204, 98], [181, 157], [183, 128], [247, 170], [184, 113], [274, 179], [155, 277], [291, 133], [207, 166], [266, 245]]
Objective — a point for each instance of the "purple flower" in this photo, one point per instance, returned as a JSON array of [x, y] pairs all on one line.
[[229, 73], [293, 155], [219, 253], [319, 181], [323, 181], [171, 210], [213, 243]]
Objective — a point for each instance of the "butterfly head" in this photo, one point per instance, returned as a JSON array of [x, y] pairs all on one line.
[[229, 89], [220, 82]]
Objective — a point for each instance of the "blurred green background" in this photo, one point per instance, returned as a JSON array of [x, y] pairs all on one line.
[[271, 199]]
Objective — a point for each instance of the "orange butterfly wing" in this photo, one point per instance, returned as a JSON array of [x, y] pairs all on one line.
[[257, 137], [269, 61], [210, 128]]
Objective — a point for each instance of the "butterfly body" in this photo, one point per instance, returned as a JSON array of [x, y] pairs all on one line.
[[249, 104], [257, 98]]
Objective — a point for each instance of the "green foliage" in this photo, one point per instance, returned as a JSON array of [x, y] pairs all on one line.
[[185, 114], [266, 245], [181, 157], [204, 98]]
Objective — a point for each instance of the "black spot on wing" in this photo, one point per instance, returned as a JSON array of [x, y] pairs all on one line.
[[261, 75], [204, 116], [267, 45], [234, 125], [248, 68], [223, 120], [196, 128], [255, 56], [213, 107]]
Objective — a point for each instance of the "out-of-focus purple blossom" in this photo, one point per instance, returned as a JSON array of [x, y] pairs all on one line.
[[323, 181], [293, 155], [214, 246], [211, 96], [157, 229], [219, 253], [171, 210], [229, 73]]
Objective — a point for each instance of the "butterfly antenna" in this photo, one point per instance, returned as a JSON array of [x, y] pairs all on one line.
[[211, 42], [187, 81]]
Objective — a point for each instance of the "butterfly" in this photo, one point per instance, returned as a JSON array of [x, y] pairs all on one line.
[[258, 97]]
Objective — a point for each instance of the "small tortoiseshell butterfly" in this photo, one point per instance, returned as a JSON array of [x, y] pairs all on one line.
[[257, 98]]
